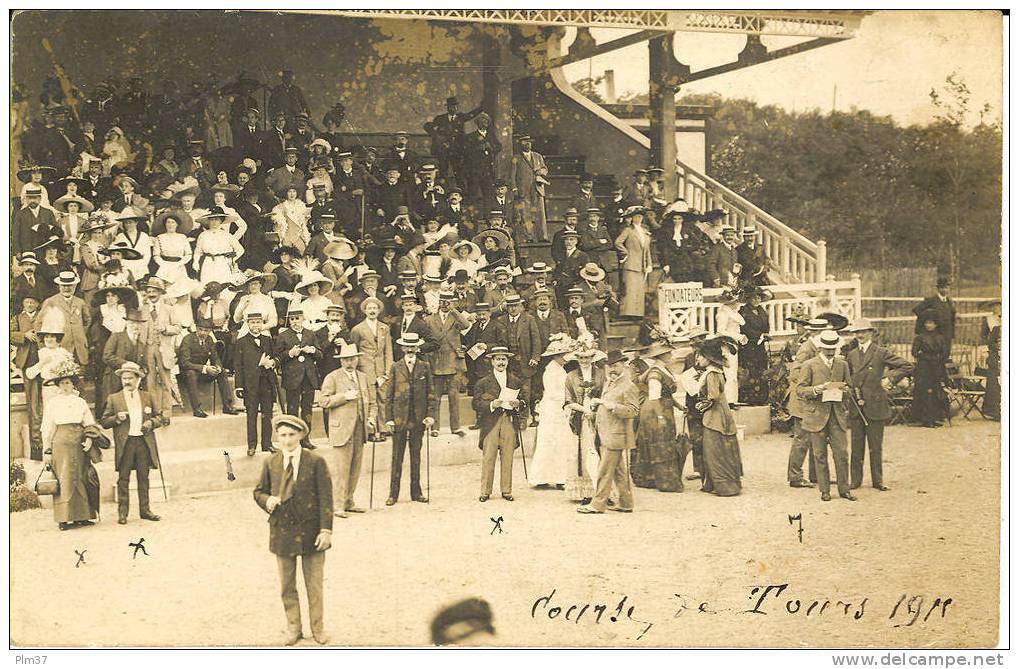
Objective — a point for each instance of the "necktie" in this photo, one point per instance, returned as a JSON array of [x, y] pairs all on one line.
[[575, 313], [287, 490]]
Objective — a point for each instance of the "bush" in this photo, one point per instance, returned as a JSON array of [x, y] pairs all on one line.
[[17, 474], [22, 498]]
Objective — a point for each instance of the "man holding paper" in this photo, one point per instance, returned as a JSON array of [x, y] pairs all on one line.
[[498, 399], [824, 380]]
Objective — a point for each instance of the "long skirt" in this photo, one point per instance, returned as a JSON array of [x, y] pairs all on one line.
[[928, 396], [583, 464], [659, 456], [555, 443], [723, 465], [634, 286], [70, 464]]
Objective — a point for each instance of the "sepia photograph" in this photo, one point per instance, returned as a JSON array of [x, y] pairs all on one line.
[[569, 328]]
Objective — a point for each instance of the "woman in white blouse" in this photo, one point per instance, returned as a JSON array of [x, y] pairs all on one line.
[[290, 218], [314, 287], [465, 257], [64, 420], [136, 239], [171, 247], [216, 251], [51, 353]]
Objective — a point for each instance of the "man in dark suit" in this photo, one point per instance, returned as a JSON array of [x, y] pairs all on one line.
[[33, 225], [428, 196], [487, 332], [199, 359], [823, 385], [524, 339], [197, 165], [549, 321], [134, 417], [287, 175], [567, 269], [255, 379], [874, 370], [247, 137], [350, 187], [128, 345], [274, 142], [403, 157], [410, 320], [500, 422], [584, 198], [454, 213], [410, 398], [298, 355], [28, 283], [447, 133], [392, 193], [480, 149], [296, 490], [943, 306], [578, 317]]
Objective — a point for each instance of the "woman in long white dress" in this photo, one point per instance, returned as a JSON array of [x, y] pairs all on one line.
[[216, 251], [554, 441], [171, 248], [582, 384], [728, 322]]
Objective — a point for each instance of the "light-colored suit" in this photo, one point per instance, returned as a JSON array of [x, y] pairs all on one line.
[[376, 357], [825, 422], [614, 424], [347, 426]]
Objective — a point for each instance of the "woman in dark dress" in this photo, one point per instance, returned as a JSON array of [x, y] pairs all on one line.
[[753, 356], [657, 461], [930, 353], [723, 464], [991, 336]]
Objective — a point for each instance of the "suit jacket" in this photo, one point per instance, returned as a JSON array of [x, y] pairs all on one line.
[[152, 418], [248, 376], [615, 425], [295, 524], [524, 342], [77, 318], [31, 230], [343, 413], [523, 175], [304, 365], [447, 357], [408, 165], [121, 201], [492, 334], [417, 325], [409, 395], [20, 290], [247, 144], [636, 255], [815, 412], [389, 198], [567, 269], [598, 244], [272, 144], [376, 349], [593, 319], [528, 295], [120, 349], [867, 370], [721, 259], [280, 180], [582, 202], [804, 352], [488, 389], [574, 391], [195, 353], [479, 153], [945, 313], [26, 352], [555, 322], [447, 134]]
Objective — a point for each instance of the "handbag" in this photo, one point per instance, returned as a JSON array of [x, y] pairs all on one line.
[[47, 482]]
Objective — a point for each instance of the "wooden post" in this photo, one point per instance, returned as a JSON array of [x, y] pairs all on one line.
[[663, 80], [821, 269]]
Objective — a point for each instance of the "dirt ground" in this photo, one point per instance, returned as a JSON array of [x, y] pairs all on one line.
[[686, 563]]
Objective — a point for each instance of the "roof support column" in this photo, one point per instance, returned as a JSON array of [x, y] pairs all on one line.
[[665, 74]]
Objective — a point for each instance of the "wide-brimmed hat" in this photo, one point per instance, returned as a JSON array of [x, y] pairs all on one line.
[[25, 173], [318, 141], [132, 213], [53, 323], [53, 240], [501, 238], [130, 368], [183, 287], [96, 222], [836, 322], [65, 369], [558, 346], [711, 349], [127, 295], [475, 250], [513, 299], [829, 339], [215, 213], [212, 290], [816, 325], [341, 249], [633, 210], [67, 278], [410, 340], [290, 421], [730, 297], [127, 251], [348, 351], [267, 279], [153, 282], [83, 205], [587, 352], [372, 300], [292, 251], [183, 222], [498, 350], [861, 325], [614, 356], [591, 272]]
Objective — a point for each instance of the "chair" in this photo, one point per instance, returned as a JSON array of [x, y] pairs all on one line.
[[966, 393], [900, 398]]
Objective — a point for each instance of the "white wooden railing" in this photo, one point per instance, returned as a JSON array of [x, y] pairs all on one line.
[[684, 306], [796, 258]]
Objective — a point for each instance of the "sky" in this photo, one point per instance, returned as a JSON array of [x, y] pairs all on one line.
[[889, 68]]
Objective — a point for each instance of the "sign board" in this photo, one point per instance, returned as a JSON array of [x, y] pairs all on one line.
[[681, 293]]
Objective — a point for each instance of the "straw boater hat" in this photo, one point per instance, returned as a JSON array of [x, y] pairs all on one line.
[[290, 421], [498, 350], [28, 258], [513, 299], [84, 205], [861, 325], [591, 272], [829, 339], [65, 369], [574, 291], [127, 251], [370, 274], [130, 368], [154, 282], [447, 296], [341, 249], [816, 325], [475, 250], [410, 340], [183, 222], [372, 300], [591, 353], [67, 278], [539, 268], [433, 278]]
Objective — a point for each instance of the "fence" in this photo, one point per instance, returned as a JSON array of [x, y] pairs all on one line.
[[895, 319], [893, 281]]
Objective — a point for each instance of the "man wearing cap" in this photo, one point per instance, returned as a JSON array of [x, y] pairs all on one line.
[[752, 259], [824, 383], [255, 379], [500, 420], [134, 417], [943, 307], [615, 410], [27, 283], [77, 316], [874, 370], [528, 177], [198, 357], [295, 489], [410, 397], [480, 150], [805, 350], [447, 133], [448, 359], [33, 224], [400, 155], [349, 399], [298, 355]]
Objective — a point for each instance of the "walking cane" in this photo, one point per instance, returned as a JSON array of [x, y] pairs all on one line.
[[362, 216], [523, 455], [428, 462], [859, 411], [162, 481]]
